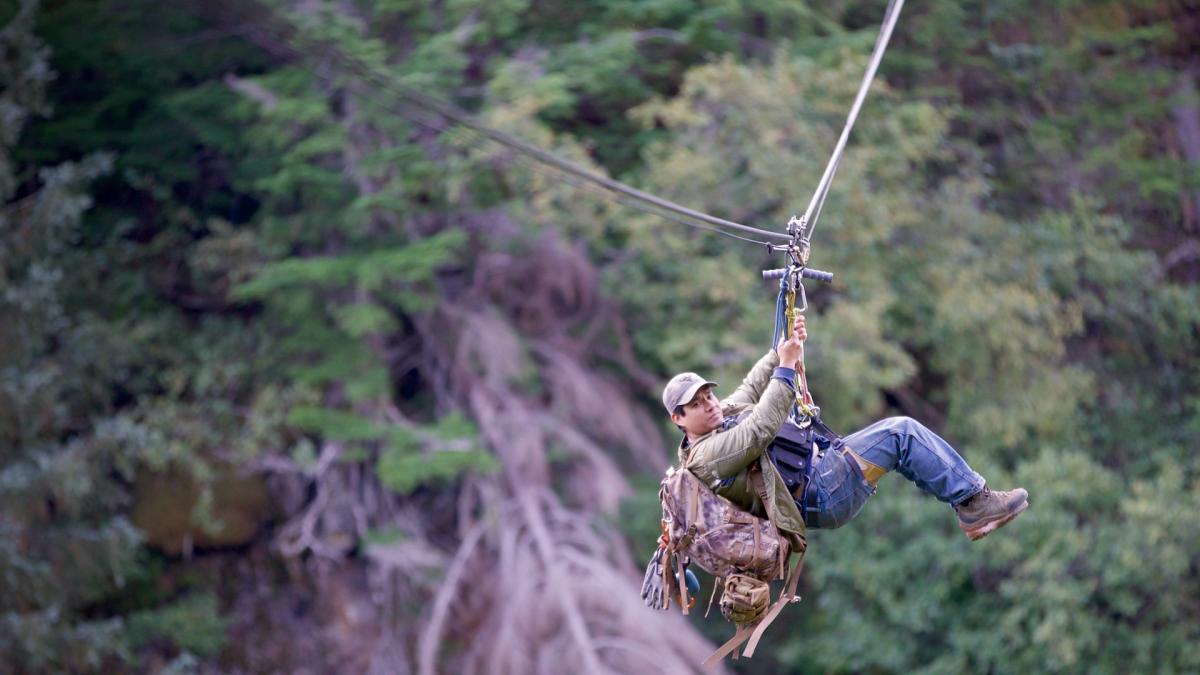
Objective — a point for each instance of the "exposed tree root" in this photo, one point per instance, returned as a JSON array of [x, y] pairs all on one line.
[[520, 577]]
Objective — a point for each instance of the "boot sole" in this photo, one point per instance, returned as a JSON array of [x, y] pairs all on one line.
[[978, 531]]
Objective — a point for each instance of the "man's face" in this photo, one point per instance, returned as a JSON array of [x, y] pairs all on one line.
[[700, 415]]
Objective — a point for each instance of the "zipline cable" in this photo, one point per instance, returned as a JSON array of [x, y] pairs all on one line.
[[574, 182], [550, 173], [804, 411], [633, 197], [569, 179], [808, 223]]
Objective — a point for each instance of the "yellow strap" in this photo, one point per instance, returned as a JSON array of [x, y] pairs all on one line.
[[803, 397], [790, 313], [871, 471]]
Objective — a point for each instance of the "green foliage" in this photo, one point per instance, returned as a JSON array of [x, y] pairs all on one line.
[[435, 453], [384, 537], [192, 624], [334, 424], [404, 471], [366, 272], [640, 516], [43, 641], [59, 482]]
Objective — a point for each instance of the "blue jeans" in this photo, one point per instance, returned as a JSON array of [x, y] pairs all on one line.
[[895, 444]]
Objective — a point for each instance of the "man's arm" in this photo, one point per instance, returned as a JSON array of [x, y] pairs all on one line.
[[756, 380], [724, 454], [751, 388]]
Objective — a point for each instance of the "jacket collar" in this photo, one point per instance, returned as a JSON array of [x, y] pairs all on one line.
[[727, 422]]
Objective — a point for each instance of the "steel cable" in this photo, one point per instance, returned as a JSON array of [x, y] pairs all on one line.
[[813, 212], [625, 194]]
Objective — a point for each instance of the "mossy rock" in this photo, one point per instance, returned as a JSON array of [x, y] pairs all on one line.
[[164, 509]]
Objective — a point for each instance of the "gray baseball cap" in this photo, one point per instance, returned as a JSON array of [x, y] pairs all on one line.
[[682, 388]]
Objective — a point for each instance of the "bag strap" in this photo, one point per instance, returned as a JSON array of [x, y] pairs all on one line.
[[682, 582], [787, 596], [743, 633], [754, 632], [716, 582], [754, 475], [693, 508], [666, 578]]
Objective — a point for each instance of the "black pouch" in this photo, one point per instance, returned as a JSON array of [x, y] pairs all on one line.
[[792, 453]]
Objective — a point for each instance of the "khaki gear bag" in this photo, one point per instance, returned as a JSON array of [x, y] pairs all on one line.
[[744, 599], [741, 549]]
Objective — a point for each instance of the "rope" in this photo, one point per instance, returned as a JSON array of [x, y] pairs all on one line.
[[292, 40], [802, 230], [813, 212], [582, 186]]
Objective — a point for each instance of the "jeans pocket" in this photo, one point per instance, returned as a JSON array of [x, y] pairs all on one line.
[[830, 472], [842, 492], [857, 471]]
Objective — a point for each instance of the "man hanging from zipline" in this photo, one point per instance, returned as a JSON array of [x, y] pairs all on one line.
[[831, 484]]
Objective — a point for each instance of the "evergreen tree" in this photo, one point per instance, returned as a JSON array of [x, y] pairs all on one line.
[[63, 453]]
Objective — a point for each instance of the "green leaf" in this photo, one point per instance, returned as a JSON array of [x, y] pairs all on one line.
[[334, 424], [405, 471], [192, 623]]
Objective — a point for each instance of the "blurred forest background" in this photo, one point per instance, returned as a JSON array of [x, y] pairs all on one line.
[[298, 377]]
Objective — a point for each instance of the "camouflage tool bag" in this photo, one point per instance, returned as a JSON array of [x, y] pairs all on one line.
[[744, 599], [741, 549]]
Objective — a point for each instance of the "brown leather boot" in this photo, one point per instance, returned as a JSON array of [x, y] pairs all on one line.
[[990, 510]]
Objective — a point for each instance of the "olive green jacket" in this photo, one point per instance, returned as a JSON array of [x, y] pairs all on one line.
[[720, 454]]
